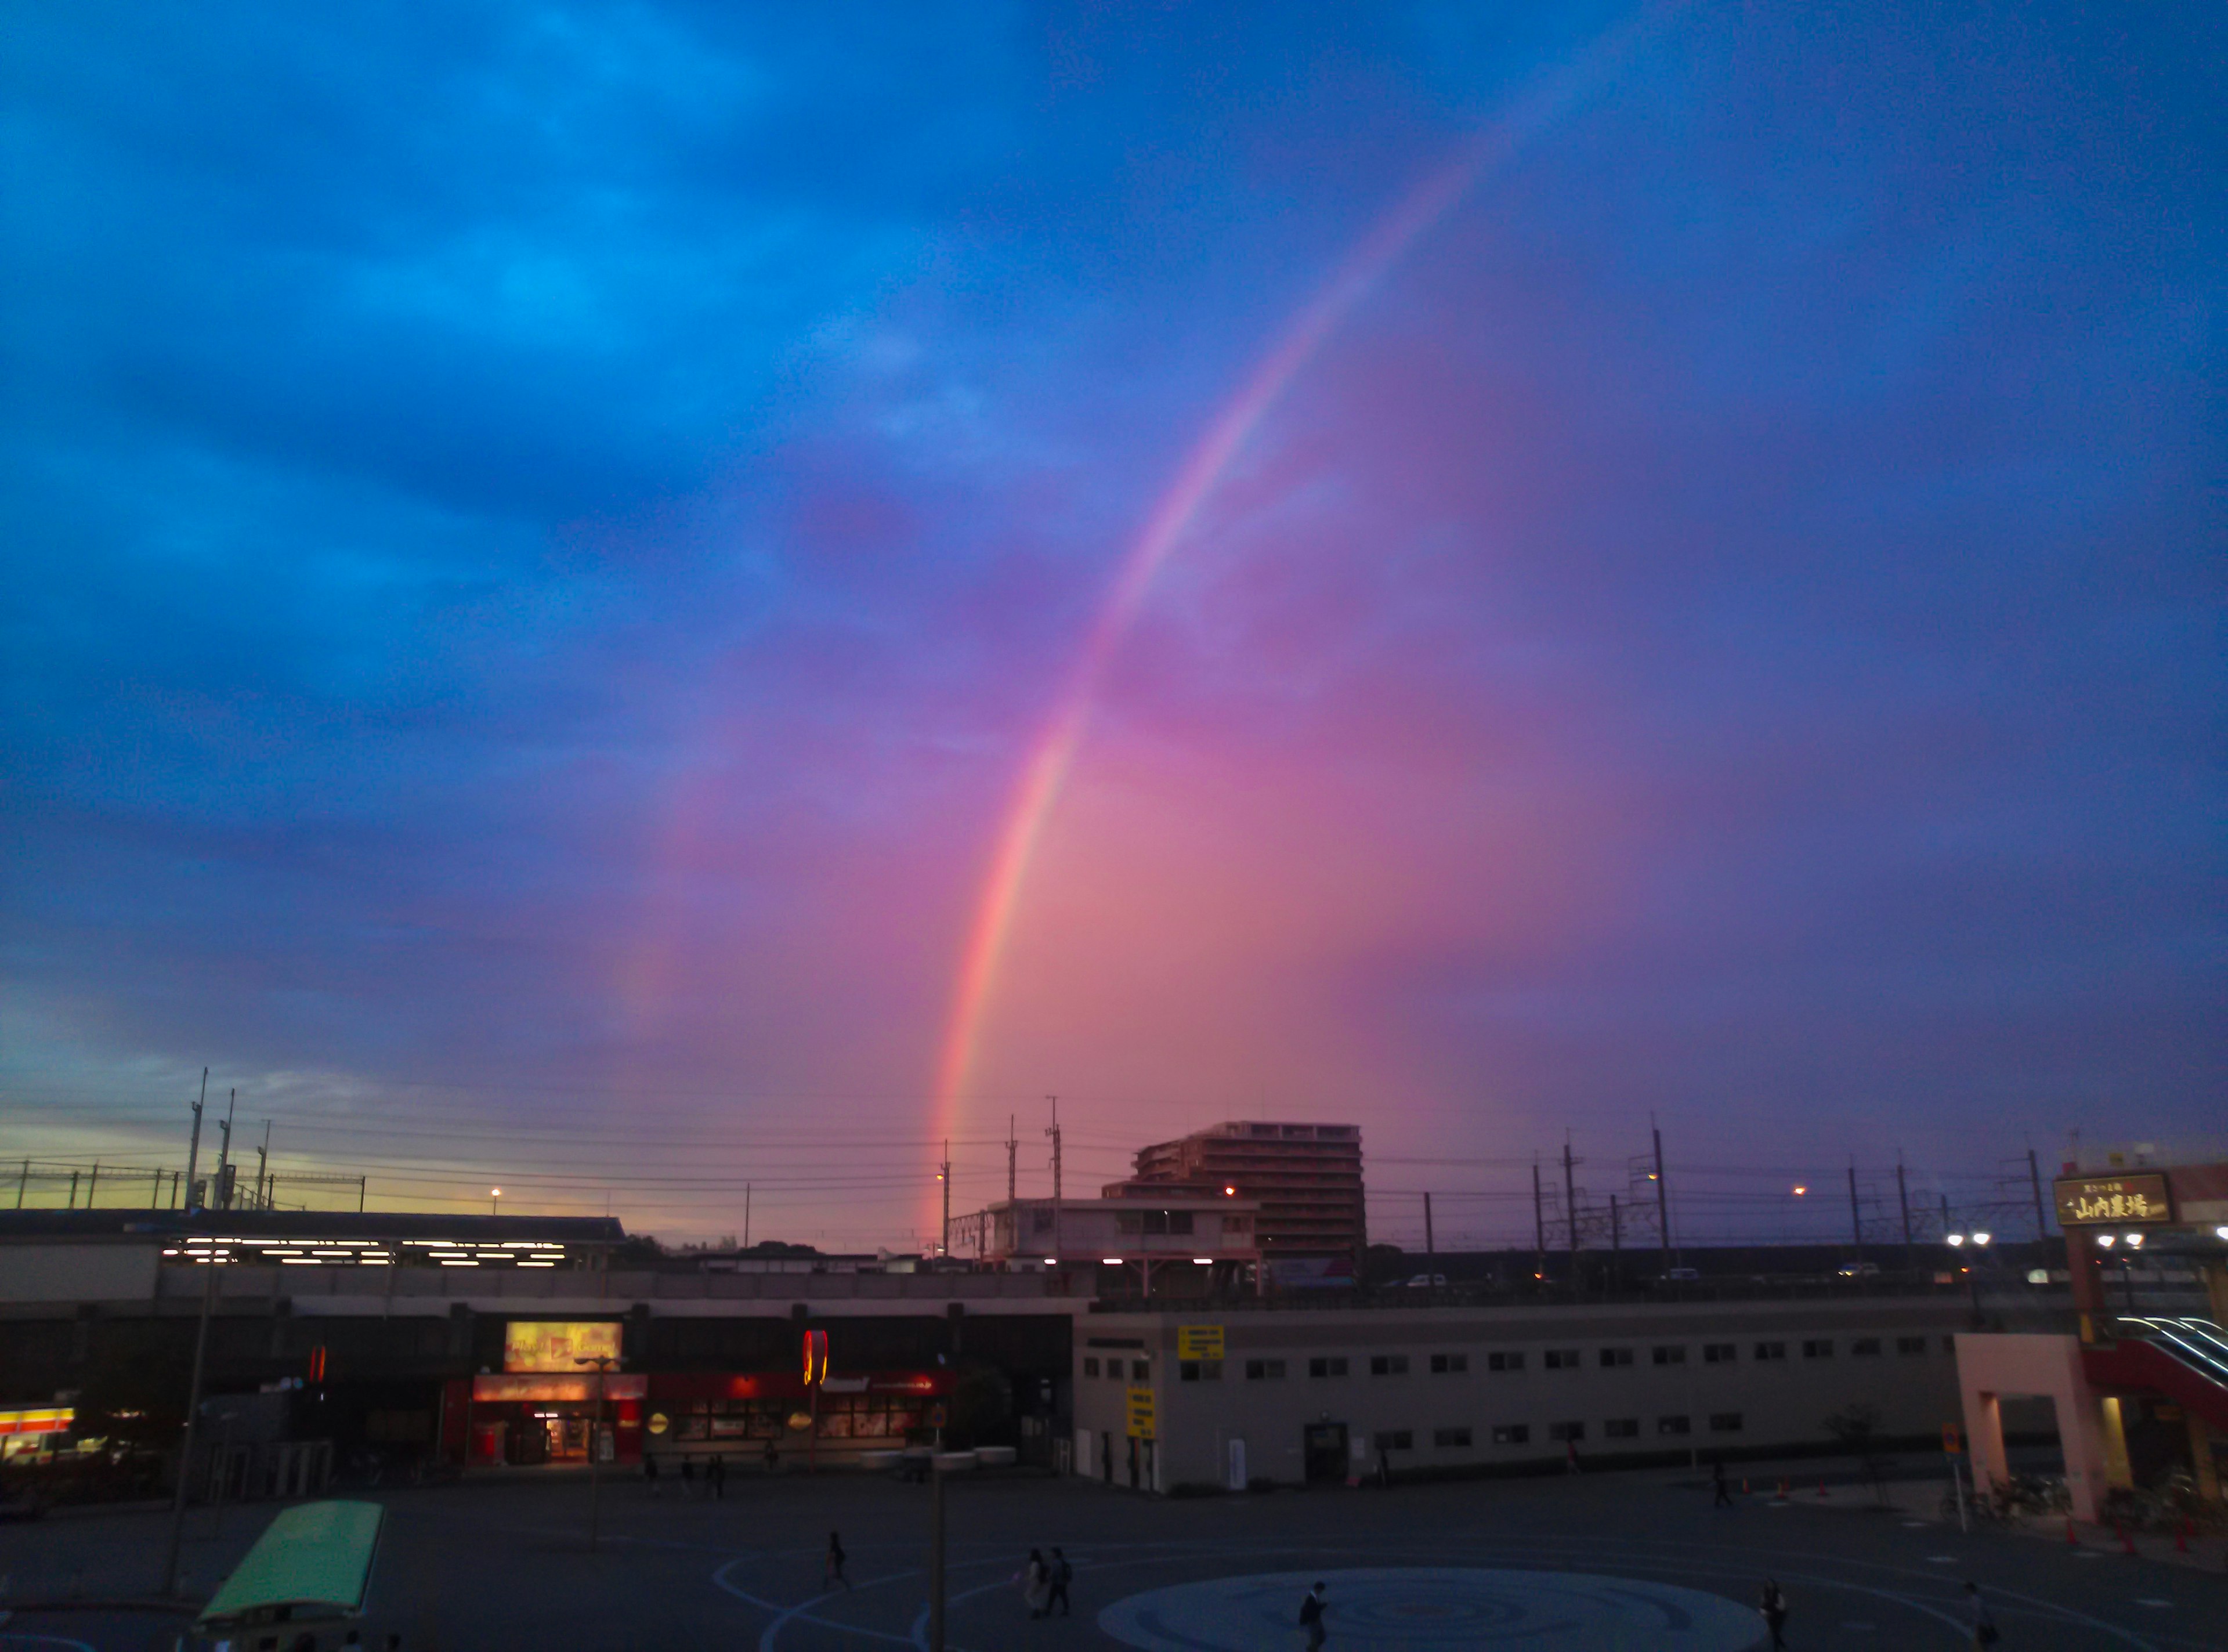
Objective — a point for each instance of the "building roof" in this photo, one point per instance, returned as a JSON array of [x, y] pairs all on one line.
[[18, 1226]]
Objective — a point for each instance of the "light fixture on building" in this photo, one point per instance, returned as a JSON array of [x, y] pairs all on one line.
[[1232, 1193], [2104, 1241], [2135, 1242], [2222, 1231], [1799, 1190], [1983, 1238], [1204, 1261], [1111, 1261], [1955, 1239], [2037, 1275]]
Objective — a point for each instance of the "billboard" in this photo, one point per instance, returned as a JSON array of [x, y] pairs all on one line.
[[2084, 1199], [558, 1345]]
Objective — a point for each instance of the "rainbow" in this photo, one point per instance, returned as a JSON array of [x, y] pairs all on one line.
[[1053, 756]]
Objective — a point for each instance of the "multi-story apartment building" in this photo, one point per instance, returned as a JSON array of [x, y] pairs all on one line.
[[1305, 1179]]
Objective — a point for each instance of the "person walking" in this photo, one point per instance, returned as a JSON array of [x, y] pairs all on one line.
[[773, 1457], [715, 1478], [1312, 1608], [833, 1574], [1062, 1574], [1773, 1604], [687, 1476], [649, 1471], [1721, 1495], [1985, 1632], [1036, 1584]]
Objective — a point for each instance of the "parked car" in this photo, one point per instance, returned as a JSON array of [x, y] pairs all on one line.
[[1427, 1282], [1859, 1270], [1681, 1275]]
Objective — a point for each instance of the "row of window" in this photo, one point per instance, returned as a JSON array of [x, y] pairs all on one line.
[[1617, 1428], [1441, 1365]]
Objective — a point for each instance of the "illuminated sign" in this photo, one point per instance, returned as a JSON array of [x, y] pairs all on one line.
[[1199, 1342], [2112, 1199], [1139, 1408], [816, 1357], [556, 1390], [47, 1419], [555, 1345]]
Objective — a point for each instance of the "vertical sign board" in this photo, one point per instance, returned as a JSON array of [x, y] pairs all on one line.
[[1139, 1407], [2085, 1201], [1199, 1342]]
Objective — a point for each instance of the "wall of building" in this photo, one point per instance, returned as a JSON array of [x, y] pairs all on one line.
[[1743, 1405]]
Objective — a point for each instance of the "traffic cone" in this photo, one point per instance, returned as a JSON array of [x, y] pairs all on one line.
[[2072, 1539], [1783, 1488]]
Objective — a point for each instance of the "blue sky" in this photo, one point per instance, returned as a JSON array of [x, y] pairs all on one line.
[[538, 541]]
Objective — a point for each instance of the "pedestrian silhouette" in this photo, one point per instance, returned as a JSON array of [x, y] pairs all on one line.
[[1312, 1608], [715, 1476], [1721, 1495], [834, 1573], [1062, 1573], [1773, 1605]]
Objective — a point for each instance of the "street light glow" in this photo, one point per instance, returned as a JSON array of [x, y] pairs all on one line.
[[1956, 1239], [1983, 1238]]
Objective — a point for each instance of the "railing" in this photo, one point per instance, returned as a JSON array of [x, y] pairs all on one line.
[[2197, 1343]]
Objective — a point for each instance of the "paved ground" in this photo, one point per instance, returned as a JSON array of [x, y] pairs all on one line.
[[485, 1566]]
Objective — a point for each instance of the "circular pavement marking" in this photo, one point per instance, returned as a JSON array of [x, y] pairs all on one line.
[[1434, 1606]]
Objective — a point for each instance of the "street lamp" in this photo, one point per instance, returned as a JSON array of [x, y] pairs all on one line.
[[603, 1362], [495, 1200]]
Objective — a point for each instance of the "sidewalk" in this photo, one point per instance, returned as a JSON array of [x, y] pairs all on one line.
[[1921, 1500]]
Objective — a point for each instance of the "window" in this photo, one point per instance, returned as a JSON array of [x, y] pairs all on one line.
[[1511, 1433], [1114, 1370], [1818, 1348], [1264, 1370], [1141, 1370], [1562, 1358], [1237, 1224], [1458, 1438], [1865, 1347], [1513, 1361], [1674, 1426], [1718, 1353], [1910, 1345], [1771, 1350], [1199, 1370], [1725, 1422], [1614, 1357], [1325, 1368], [1444, 1365], [1566, 1430], [1669, 1356], [1388, 1365], [1090, 1366], [1621, 1428], [1396, 1439]]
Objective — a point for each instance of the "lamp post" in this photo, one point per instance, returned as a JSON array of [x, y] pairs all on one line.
[[603, 1362], [495, 1201]]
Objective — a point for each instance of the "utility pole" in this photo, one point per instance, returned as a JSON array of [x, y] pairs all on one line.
[[192, 1410], [1053, 1131], [263, 1167], [935, 1557], [603, 1362], [943, 1175], [746, 1215], [1616, 1228], [224, 1155], [1662, 1195], [1856, 1221], [1571, 1207], [92, 1184], [194, 1149], [1945, 1218], [1903, 1198], [1538, 1222], [1012, 1148], [22, 1184], [1431, 1254], [2034, 1178]]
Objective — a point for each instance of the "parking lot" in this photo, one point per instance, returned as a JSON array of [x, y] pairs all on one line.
[[505, 1562]]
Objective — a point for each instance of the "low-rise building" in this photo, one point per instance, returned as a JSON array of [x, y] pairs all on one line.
[[1166, 1399], [1182, 1244]]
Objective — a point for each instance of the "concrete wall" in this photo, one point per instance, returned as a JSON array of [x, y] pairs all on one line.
[[1780, 1402], [66, 1272]]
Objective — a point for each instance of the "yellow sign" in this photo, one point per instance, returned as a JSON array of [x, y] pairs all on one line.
[[1199, 1342], [556, 1345], [658, 1423], [1953, 1442], [2112, 1199], [1141, 1414]]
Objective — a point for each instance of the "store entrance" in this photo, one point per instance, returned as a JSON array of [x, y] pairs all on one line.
[[1325, 1447], [563, 1435]]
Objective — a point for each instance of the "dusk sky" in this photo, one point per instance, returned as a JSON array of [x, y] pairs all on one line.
[[619, 600]]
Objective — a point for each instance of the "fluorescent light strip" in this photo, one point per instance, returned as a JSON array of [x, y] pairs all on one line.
[[446, 1263]]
